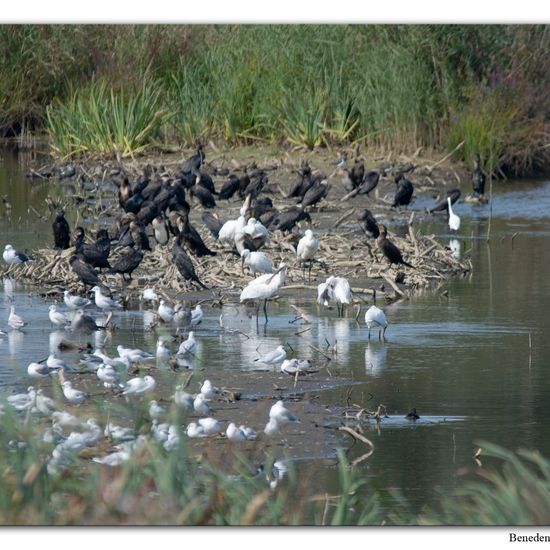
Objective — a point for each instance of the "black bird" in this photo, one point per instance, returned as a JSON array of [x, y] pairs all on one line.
[[139, 236], [124, 191], [152, 189], [147, 213], [202, 178], [442, 205], [261, 206], [404, 192], [212, 222], [314, 194], [286, 220], [204, 196], [133, 204], [478, 177], [127, 262], [190, 236], [370, 181], [96, 254], [370, 225], [255, 187], [61, 232], [194, 162], [184, 264], [357, 173], [245, 182], [301, 185], [392, 253], [230, 187], [84, 271], [412, 415]]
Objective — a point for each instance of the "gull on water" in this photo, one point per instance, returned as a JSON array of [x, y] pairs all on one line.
[[295, 366], [281, 414], [196, 315], [104, 302], [165, 311], [109, 376], [182, 398], [73, 301], [38, 370], [55, 363], [133, 355], [57, 318], [163, 352], [189, 346], [74, 396], [139, 385], [278, 355], [14, 320], [149, 295]]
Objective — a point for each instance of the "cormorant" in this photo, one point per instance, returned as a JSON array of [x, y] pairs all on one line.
[[286, 220], [61, 232], [314, 194], [127, 262], [357, 173], [442, 204], [370, 181], [194, 162], [392, 253], [478, 177], [190, 236], [139, 236], [184, 264], [212, 222], [230, 187], [404, 192], [95, 254], [370, 225], [84, 271], [203, 195]]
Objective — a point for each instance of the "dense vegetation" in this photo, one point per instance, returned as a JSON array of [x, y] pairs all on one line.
[[116, 89]]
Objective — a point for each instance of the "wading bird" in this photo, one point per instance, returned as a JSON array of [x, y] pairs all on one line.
[[454, 220]]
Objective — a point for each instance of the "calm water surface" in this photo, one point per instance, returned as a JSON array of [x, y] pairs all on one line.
[[480, 351]]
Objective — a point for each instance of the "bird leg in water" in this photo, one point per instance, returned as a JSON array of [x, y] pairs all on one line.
[[265, 310]]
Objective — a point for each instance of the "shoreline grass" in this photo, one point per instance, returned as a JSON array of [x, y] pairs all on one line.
[[391, 87]]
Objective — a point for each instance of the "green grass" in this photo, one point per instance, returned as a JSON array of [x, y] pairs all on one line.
[[392, 87]]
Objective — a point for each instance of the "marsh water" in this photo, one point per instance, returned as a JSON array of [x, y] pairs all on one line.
[[472, 355]]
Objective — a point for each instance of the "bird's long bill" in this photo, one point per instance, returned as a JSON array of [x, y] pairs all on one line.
[[276, 273]]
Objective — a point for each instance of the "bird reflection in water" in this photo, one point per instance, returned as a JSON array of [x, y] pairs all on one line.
[[454, 245], [375, 358]]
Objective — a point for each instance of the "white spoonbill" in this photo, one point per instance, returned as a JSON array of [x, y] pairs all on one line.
[[307, 247], [375, 317], [258, 262]]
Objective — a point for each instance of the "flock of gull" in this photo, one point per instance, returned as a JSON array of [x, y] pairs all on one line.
[[155, 210]]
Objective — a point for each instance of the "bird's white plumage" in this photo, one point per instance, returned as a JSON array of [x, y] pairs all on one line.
[[104, 302], [258, 262], [139, 385], [14, 320], [165, 311], [189, 346], [274, 357], [307, 247], [73, 301], [454, 219], [57, 317]]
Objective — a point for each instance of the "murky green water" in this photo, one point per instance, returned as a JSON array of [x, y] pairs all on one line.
[[480, 351]]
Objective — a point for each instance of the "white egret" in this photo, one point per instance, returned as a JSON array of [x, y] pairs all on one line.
[[454, 219]]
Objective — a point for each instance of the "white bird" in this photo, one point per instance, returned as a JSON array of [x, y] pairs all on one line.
[[73, 301], [149, 295], [182, 316], [255, 229], [57, 318], [100, 353], [200, 405], [194, 430], [281, 414], [84, 323], [160, 431], [104, 302], [375, 317], [109, 376], [165, 311], [163, 352], [133, 355], [278, 355], [23, 401], [454, 245], [173, 440], [208, 390], [210, 425], [113, 459], [73, 396], [196, 315], [64, 419], [182, 398], [119, 433], [139, 385], [56, 364], [38, 370], [43, 404], [230, 229], [341, 293], [234, 434], [155, 410], [14, 320], [454, 219], [264, 288], [189, 346], [14, 257], [249, 433], [162, 236], [272, 427], [307, 247], [258, 262], [295, 366]]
